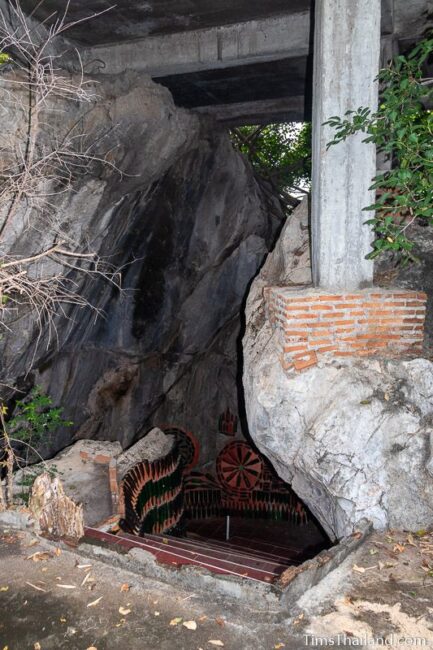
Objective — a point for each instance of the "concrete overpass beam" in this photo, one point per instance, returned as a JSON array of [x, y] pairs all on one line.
[[286, 109], [347, 51], [203, 49]]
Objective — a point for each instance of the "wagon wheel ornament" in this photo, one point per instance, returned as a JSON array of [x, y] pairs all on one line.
[[238, 467], [188, 445]]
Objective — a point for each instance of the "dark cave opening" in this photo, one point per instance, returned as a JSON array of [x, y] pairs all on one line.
[[215, 496], [242, 520]]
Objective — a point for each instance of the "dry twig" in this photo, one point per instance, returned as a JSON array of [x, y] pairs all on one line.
[[37, 170]]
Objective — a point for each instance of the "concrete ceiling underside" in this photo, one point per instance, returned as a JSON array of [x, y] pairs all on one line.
[[255, 93], [131, 19], [244, 61]]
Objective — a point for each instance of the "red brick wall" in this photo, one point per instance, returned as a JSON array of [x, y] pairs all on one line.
[[311, 323]]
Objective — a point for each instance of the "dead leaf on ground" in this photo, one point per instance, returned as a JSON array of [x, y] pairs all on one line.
[[358, 569], [202, 618], [398, 548], [278, 646], [35, 587], [216, 642], [121, 622], [220, 621], [92, 647], [33, 543], [5, 588], [37, 646], [176, 621], [190, 625], [363, 569], [58, 551], [40, 556], [124, 611], [298, 619], [410, 540], [156, 613], [124, 587], [94, 602], [87, 578]]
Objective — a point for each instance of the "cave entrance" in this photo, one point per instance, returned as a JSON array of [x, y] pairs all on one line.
[[215, 501], [239, 519], [246, 514]]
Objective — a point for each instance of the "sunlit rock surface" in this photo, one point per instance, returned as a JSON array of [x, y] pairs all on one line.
[[352, 436]]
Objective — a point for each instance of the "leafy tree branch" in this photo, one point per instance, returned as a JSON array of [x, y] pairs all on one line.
[[402, 130]]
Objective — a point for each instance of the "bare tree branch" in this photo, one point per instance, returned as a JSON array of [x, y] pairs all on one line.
[[35, 171]]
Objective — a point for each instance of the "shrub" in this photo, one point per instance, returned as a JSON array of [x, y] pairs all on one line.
[[402, 129]]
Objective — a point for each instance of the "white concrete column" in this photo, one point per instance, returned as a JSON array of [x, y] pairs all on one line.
[[346, 62]]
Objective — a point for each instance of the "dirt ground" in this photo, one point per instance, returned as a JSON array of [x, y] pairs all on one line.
[[52, 599], [383, 593]]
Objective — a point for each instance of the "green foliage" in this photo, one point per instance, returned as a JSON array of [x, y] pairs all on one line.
[[34, 418], [30, 474], [4, 58], [402, 129], [278, 152]]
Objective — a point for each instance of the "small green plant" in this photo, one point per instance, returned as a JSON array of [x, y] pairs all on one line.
[[402, 129], [29, 475], [33, 421], [34, 418]]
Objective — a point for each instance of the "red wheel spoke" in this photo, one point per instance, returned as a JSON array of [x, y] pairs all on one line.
[[239, 468]]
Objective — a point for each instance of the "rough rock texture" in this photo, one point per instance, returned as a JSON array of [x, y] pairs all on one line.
[[85, 482], [54, 512], [155, 444], [352, 437], [189, 226], [417, 276]]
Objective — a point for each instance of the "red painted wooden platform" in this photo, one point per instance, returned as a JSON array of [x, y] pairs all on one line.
[[226, 558]]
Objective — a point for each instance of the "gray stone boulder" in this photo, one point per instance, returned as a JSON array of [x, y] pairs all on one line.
[[353, 437], [86, 482], [188, 224], [155, 444]]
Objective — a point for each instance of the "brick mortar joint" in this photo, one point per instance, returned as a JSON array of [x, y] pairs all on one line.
[[369, 322]]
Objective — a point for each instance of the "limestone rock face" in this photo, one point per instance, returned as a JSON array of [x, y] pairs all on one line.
[[353, 437], [418, 277], [189, 226], [155, 444], [84, 481]]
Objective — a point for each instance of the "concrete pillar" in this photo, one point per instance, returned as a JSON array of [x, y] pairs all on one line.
[[346, 62]]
